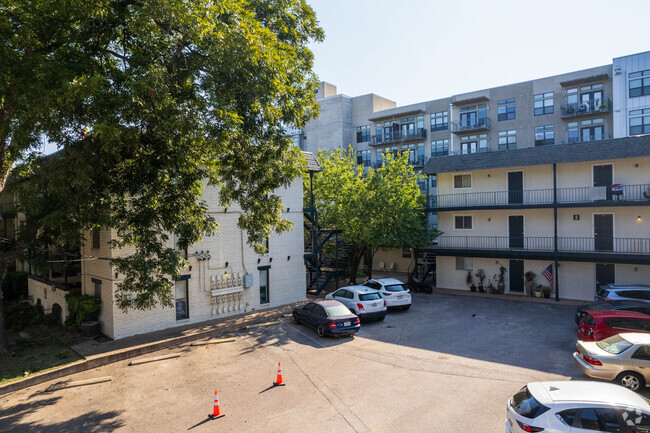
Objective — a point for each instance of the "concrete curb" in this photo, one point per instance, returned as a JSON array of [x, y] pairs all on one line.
[[96, 361]]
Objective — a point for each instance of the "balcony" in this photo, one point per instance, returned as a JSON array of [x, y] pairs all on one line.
[[477, 126], [399, 137], [622, 195], [571, 111], [545, 244]]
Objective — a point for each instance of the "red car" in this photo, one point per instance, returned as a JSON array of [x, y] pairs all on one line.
[[597, 325]]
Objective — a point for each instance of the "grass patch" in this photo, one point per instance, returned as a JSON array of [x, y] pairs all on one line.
[[26, 357]]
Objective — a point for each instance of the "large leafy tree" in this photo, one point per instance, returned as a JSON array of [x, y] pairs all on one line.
[[374, 209], [149, 101]]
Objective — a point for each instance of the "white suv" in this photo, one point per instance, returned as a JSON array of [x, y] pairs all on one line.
[[362, 301], [575, 406], [393, 292]]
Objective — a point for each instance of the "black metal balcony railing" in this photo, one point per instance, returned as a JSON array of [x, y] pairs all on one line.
[[597, 106], [482, 124], [599, 244], [398, 136], [588, 194]]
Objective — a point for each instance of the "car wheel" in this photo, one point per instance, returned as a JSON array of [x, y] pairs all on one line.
[[321, 331], [296, 320], [631, 380]]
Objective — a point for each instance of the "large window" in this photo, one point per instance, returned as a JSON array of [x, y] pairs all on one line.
[[473, 144], [363, 158], [543, 103], [591, 130], [640, 83], [640, 121], [363, 133], [419, 154], [506, 109], [462, 181], [473, 116], [463, 222], [439, 148], [439, 121], [544, 135], [464, 264], [264, 286], [378, 133], [182, 307], [573, 134], [588, 99], [508, 140]]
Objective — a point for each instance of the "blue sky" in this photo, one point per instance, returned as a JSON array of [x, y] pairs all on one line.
[[412, 51]]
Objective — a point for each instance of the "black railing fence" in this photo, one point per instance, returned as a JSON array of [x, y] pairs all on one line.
[[531, 243]]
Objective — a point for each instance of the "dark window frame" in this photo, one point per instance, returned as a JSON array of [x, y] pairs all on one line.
[[506, 109]]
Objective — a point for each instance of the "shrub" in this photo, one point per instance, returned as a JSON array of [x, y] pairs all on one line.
[[14, 286], [83, 308], [18, 318]]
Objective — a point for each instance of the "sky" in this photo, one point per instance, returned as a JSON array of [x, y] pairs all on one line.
[[413, 51]]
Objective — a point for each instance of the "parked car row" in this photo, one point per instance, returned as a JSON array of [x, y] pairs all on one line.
[[342, 310]]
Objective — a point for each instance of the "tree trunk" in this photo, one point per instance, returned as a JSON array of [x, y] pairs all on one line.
[[370, 256], [356, 254], [7, 259]]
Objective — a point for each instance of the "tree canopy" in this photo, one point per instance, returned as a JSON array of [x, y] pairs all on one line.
[[149, 101], [374, 209]]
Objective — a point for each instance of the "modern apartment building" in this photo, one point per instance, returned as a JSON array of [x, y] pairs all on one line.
[[516, 161]]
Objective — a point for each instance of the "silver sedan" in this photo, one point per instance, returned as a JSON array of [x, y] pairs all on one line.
[[624, 358]]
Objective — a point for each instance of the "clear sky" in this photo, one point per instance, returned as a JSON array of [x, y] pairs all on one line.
[[413, 51]]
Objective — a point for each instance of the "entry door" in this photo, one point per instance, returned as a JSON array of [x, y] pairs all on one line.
[[605, 274], [603, 177], [516, 187], [604, 232], [516, 276], [516, 231]]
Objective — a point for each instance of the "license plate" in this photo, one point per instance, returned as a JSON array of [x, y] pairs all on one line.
[[374, 304], [346, 323], [400, 297]]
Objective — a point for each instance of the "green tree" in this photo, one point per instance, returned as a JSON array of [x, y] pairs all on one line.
[[374, 209], [149, 101]]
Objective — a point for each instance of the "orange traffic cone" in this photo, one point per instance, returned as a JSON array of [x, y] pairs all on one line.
[[278, 380], [216, 412]]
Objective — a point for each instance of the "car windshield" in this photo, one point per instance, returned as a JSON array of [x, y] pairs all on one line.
[[395, 288], [614, 344], [337, 310], [369, 296]]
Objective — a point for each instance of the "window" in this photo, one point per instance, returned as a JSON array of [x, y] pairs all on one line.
[[544, 135], [264, 286], [506, 109], [363, 158], [95, 235], [378, 133], [601, 420], [439, 121], [591, 130], [363, 133], [463, 222], [508, 140], [464, 264], [422, 183], [419, 154], [410, 149], [588, 99], [640, 121], [266, 245], [543, 103], [439, 148], [473, 144], [97, 286], [182, 310], [462, 181], [473, 116], [567, 416], [640, 83], [434, 182], [572, 132]]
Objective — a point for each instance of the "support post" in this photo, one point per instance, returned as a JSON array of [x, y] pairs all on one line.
[[555, 250]]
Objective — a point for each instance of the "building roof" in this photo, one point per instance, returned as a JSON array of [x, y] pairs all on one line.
[[312, 163], [617, 148]]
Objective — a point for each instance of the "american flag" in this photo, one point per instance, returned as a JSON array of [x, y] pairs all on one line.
[[548, 274]]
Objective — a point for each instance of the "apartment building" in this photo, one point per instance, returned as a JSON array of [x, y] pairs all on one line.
[[579, 111]]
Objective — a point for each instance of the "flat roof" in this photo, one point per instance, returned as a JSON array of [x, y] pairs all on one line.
[[615, 148]]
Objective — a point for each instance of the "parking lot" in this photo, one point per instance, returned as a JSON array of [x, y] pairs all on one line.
[[446, 365]]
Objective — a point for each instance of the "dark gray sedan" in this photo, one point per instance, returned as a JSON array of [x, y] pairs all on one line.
[[327, 317]]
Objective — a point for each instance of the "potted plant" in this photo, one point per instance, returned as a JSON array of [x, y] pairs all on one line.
[[529, 278], [469, 280], [502, 279], [538, 291], [546, 291], [480, 274], [490, 286]]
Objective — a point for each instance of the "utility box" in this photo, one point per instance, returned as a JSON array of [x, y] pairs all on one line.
[[248, 280]]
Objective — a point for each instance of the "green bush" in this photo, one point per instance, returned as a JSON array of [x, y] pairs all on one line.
[[14, 286], [18, 318], [83, 308]]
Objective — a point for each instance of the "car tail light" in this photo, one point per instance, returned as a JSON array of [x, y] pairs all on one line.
[[384, 302], [526, 427], [360, 307], [358, 321], [386, 293], [332, 325], [590, 331], [590, 360]]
